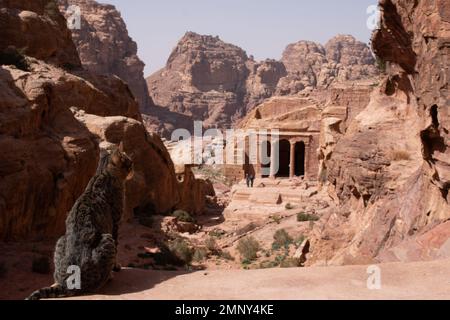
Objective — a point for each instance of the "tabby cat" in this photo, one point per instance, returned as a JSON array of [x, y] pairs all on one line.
[[92, 228]]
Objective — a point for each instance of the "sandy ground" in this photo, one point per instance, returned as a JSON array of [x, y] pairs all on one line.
[[422, 280]]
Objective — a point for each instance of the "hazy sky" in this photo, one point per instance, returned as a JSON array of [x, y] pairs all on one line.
[[262, 28]]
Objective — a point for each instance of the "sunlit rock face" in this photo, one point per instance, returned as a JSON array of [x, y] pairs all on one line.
[[55, 116], [215, 82], [105, 47], [389, 171]]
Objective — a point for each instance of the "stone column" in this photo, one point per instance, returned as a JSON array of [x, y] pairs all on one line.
[[292, 162], [273, 159], [258, 169]]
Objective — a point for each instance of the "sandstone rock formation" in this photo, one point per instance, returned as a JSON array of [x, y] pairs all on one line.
[[389, 171], [204, 78], [209, 80], [54, 116], [318, 118], [311, 65], [156, 185], [343, 102], [52, 43], [262, 81], [105, 47]]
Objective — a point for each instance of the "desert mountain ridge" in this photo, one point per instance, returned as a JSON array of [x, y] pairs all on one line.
[[215, 82]]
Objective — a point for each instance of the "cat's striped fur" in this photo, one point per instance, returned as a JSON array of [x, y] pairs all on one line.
[[92, 230]]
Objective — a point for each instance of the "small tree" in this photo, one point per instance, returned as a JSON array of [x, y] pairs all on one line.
[[282, 239], [183, 216], [248, 248], [303, 217], [181, 250]]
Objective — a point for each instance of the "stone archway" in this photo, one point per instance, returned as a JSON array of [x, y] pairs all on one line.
[[284, 159], [300, 156]]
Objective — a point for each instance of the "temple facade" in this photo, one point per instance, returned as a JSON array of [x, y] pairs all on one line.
[[287, 134]]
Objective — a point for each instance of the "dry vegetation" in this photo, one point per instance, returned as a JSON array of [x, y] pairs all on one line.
[[248, 249], [400, 155], [303, 217]]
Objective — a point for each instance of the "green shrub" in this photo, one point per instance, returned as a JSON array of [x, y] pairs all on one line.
[[181, 250], [248, 249], [381, 65], [289, 206], [41, 265], [246, 229], [303, 217], [3, 269], [280, 258], [226, 255], [200, 254], [211, 245], [166, 257], [183, 216], [51, 9], [12, 57], [275, 246], [282, 239], [276, 218], [217, 233]]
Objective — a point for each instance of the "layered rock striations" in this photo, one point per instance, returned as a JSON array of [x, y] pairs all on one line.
[[105, 47], [389, 170], [55, 117]]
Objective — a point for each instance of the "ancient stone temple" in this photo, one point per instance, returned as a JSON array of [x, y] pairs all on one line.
[[286, 131]]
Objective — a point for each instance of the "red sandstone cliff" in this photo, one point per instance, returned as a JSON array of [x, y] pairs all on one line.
[[55, 117], [389, 170], [311, 65], [105, 47], [209, 80]]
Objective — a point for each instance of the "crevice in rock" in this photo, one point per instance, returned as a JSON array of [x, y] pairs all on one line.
[[434, 116], [431, 138]]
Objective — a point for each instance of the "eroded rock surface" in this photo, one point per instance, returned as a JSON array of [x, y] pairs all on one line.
[[209, 80], [389, 171], [54, 118], [105, 47], [311, 65]]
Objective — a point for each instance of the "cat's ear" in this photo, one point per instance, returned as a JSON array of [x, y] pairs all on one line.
[[121, 149]]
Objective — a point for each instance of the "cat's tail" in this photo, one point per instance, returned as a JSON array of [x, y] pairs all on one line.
[[55, 291]]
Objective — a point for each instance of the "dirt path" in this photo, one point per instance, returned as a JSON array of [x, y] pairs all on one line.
[[423, 280]]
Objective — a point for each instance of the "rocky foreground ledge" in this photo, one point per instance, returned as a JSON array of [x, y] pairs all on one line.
[[420, 280]]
